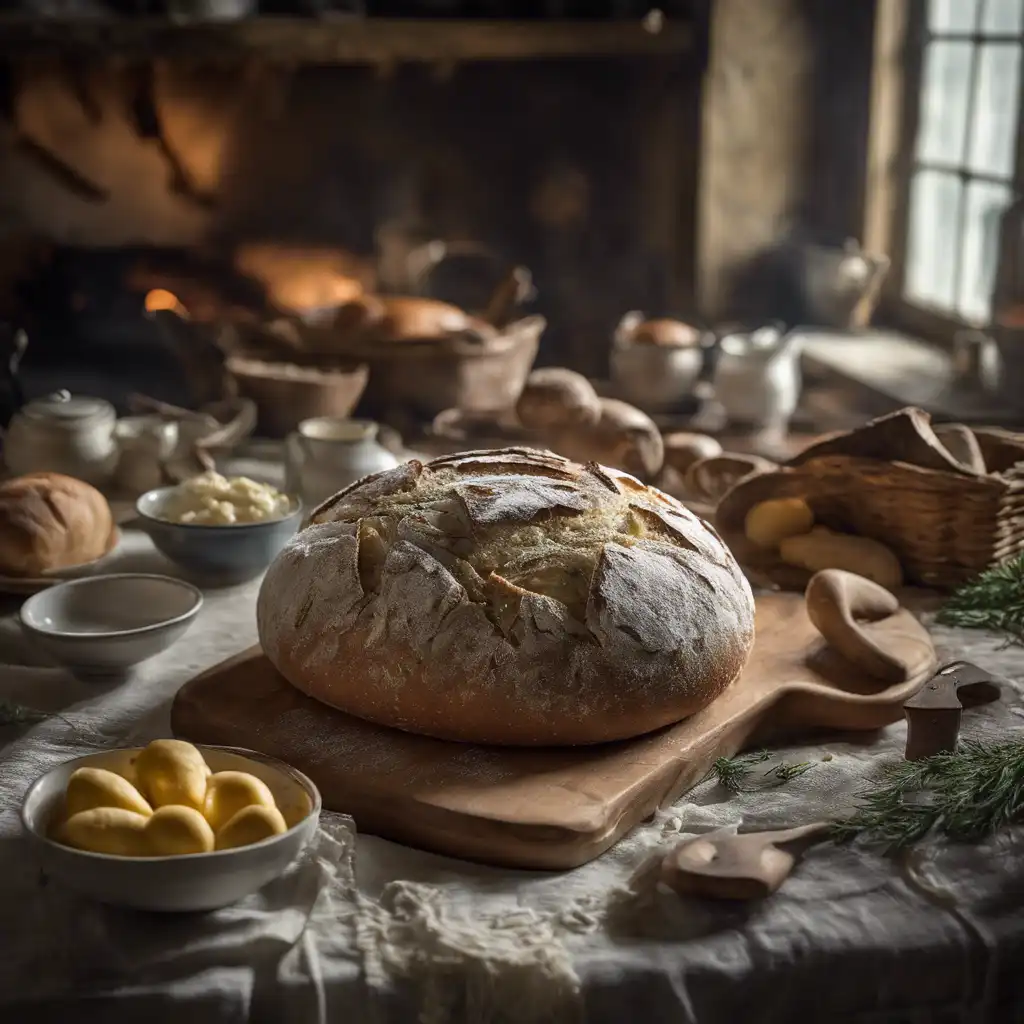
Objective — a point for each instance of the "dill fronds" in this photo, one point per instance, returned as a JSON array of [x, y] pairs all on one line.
[[734, 773], [785, 772], [995, 600], [962, 796]]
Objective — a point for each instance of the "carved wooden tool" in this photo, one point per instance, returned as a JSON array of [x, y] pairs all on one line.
[[748, 866], [934, 712]]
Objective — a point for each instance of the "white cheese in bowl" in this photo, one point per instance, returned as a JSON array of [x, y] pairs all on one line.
[[215, 500]]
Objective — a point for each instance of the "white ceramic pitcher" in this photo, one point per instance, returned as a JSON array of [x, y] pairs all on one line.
[[757, 378], [328, 453]]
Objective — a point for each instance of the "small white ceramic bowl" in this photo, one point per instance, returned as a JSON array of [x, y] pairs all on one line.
[[107, 624], [191, 882]]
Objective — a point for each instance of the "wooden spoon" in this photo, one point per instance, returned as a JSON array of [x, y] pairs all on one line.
[[747, 866]]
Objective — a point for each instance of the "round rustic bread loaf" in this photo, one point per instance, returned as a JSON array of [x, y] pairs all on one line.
[[49, 521], [554, 397], [510, 597]]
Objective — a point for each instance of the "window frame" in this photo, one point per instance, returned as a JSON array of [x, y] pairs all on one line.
[[901, 37]]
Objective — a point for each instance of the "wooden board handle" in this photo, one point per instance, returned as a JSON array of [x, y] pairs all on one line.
[[836, 600], [934, 712]]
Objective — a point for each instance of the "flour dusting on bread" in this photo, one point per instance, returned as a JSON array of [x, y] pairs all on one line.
[[508, 596]]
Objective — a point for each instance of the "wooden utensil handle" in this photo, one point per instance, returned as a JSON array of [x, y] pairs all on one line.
[[835, 601], [934, 712], [749, 865]]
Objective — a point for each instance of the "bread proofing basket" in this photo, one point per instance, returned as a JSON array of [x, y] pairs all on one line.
[[948, 501]]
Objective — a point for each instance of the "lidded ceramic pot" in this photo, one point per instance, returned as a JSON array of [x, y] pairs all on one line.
[[62, 433]]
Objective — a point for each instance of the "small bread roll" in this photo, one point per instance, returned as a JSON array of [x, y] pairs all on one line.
[[623, 438], [768, 523], [711, 479], [683, 449], [375, 319], [824, 549], [554, 397], [49, 521], [665, 332]]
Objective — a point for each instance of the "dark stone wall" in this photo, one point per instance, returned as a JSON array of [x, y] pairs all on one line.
[[786, 111]]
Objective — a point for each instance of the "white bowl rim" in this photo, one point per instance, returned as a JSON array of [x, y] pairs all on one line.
[[296, 502], [197, 604], [254, 755]]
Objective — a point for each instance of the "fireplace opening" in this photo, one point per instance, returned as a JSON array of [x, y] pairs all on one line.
[[252, 192]]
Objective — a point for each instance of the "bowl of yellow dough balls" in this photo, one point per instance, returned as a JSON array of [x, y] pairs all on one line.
[[170, 826]]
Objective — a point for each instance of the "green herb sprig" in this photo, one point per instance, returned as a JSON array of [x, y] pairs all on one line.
[[786, 772], [734, 773], [995, 600], [12, 713], [963, 796]]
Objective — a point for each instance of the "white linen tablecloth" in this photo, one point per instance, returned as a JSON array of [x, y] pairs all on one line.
[[362, 929]]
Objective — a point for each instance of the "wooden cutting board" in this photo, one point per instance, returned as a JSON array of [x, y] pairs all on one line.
[[557, 808]]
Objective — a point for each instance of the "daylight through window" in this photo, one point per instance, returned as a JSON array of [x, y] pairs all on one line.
[[966, 169]]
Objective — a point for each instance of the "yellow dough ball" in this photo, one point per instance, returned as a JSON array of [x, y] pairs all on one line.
[[97, 787], [111, 830], [768, 523], [228, 792], [172, 772], [825, 549], [251, 825], [175, 829]]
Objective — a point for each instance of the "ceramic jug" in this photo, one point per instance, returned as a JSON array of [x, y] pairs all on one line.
[[757, 378], [328, 453], [145, 443]]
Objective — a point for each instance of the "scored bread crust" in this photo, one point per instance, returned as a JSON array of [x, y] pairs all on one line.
[[49, 521], [509, 597]]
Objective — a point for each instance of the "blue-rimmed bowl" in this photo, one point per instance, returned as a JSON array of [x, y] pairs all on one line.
[[227, 554]]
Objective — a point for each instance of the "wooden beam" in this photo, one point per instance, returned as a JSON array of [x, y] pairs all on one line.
[[885, 146], [346, 40], [757, 108]]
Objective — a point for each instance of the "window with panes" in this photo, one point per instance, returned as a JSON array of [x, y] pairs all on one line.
[[965, 166]]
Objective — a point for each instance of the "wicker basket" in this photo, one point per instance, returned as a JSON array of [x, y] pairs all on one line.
[[947, 517]]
